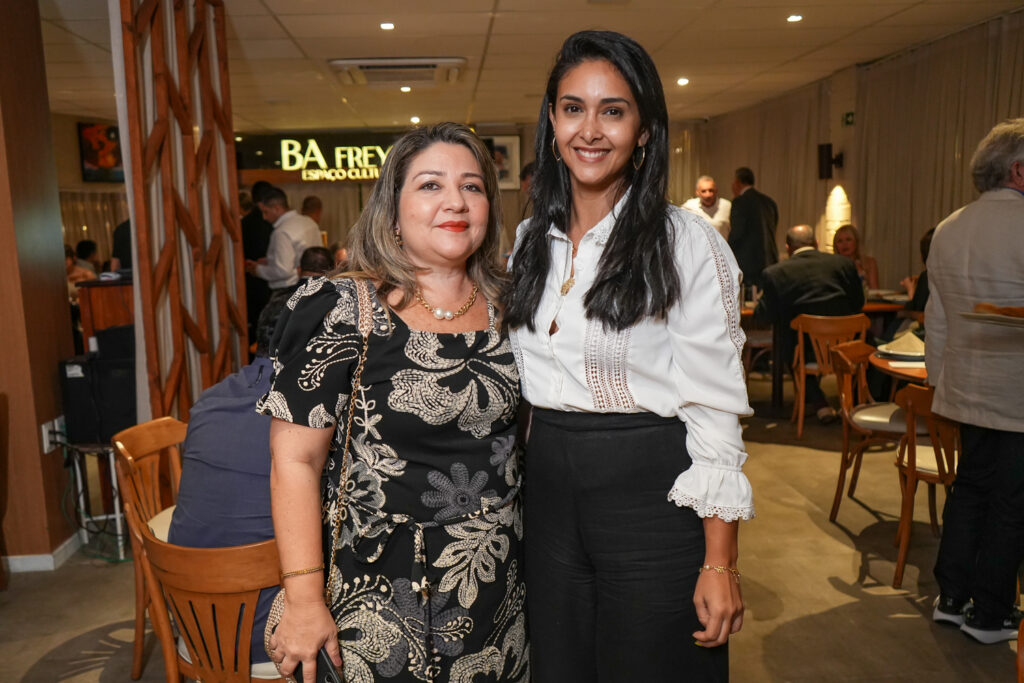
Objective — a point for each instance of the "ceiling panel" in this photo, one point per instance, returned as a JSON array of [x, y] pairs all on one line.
[[343, 26], [735, 52]]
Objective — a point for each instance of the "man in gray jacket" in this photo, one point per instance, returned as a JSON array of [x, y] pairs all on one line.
[[977, 368]]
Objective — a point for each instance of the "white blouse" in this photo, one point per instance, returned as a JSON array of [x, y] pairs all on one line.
[[687, 366]]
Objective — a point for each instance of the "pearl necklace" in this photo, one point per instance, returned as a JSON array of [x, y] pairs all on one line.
[[442, 314]]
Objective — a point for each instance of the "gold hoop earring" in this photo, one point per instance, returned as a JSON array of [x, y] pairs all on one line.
[[554, 150], [398, 238], [643, 158]]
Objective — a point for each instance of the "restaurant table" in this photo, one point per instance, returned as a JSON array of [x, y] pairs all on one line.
[[916, 374]]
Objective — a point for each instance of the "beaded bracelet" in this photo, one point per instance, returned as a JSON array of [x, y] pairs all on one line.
[[722, 570], [300, 572]]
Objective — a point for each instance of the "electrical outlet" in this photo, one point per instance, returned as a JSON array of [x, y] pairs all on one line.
[[48, 444]]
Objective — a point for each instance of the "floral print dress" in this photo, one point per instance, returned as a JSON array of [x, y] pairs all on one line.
[[428, 584]]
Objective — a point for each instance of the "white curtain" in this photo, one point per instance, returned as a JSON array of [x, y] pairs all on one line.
[[343, 202], [779, 141], [92, 216], [920, 116]]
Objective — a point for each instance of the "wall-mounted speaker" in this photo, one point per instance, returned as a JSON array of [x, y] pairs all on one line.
[[826, 161]]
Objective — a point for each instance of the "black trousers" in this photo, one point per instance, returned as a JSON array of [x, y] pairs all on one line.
[[611, 564], [983, 523]]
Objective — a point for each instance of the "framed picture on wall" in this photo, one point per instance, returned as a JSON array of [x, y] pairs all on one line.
[[505, 151], [100, 144]]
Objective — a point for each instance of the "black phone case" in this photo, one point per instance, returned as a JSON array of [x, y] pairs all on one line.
[[325, 671]]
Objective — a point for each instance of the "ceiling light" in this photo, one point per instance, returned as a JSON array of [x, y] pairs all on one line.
[[259, 152], [387, 26], [683, 81], [415, 119], [793, 18], [238, 138], [405, 88]]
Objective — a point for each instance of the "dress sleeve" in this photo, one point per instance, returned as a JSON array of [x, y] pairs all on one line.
[[314, 348], [707, 343]]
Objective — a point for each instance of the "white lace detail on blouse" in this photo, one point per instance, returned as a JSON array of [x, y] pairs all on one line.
[[729, 303], [605, 358]]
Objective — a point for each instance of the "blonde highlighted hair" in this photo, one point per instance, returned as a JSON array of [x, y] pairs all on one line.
[[373, 251]]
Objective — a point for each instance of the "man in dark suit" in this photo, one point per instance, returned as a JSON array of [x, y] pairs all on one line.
[[255, 240], [808, 282], [754, 217]]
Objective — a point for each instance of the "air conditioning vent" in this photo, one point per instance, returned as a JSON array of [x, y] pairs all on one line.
[[389, 72]]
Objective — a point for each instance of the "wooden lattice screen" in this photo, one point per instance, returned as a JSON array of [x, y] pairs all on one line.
[[183, 185]]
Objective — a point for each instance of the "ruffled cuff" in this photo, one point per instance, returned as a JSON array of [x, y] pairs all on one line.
[[722, 492]]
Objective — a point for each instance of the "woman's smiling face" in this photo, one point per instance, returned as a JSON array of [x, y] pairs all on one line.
[[596, 123], [443, 207]]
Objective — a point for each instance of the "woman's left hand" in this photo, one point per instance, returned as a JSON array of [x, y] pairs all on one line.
[[719, 603]]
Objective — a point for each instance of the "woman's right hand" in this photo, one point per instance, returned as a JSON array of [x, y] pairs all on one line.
[[305, 627]]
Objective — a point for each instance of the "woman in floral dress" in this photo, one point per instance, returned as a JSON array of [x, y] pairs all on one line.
[[420, 532]]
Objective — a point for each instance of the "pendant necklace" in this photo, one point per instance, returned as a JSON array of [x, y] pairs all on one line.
[[568, 284], [442, 314]]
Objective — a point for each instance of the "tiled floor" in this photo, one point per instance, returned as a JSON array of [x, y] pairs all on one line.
[[820, 603]]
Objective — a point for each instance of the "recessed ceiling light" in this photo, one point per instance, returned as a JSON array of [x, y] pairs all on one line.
[[793, 18], [415, 119], [405, 88], [238, 138], [387, 26], [683, 81], [259, 152]]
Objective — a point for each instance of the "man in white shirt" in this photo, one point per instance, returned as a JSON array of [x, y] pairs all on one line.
[[709, 206], [293, 234], [977, 369]]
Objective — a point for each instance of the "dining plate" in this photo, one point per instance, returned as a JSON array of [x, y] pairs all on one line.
[[896, 298], [995, 319]]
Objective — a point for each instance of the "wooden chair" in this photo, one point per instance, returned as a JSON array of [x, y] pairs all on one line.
[[143, 452], [211, 594], [932, 465], [1020, 653], [824, 332], [759, 343], [865, 422]]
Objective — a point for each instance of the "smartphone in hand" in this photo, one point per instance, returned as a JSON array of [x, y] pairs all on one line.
[[325, 671]]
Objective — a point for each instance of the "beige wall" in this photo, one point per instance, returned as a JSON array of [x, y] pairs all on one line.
[[33, 292]]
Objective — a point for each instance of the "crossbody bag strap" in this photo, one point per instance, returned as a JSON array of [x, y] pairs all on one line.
[[364, 323]]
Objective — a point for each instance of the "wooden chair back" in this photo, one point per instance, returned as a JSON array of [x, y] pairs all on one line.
[[824, 332], [211, 594], [150, 449], [148, 598], [916, 401], [849, 362]]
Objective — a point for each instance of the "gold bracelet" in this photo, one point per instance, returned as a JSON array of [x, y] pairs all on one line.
[[722, 570], [300, 572]]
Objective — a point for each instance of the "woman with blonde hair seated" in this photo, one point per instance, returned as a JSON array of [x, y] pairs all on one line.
[[846, 242]]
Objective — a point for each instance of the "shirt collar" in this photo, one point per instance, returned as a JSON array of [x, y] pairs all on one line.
[[286, 215], [603, 230], [802, 250]]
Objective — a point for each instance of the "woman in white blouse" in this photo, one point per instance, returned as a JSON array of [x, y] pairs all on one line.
[[626, 329]]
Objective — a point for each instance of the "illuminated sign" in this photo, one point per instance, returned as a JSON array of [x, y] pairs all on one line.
[[317, 157]]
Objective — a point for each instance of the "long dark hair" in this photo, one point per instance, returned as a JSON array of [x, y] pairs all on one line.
[[636, 276]]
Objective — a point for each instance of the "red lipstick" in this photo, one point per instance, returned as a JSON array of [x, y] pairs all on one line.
[[454, 226]]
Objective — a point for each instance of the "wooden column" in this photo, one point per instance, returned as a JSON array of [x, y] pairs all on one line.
[[33, 294], [184, 192]]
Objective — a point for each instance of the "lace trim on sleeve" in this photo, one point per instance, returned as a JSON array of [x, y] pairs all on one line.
[[729, 301], [703, 509]]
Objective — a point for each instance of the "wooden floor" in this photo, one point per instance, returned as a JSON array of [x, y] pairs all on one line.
[[820, 606]]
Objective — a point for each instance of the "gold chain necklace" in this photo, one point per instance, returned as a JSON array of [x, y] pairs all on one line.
[[442, 314], [568, 284]]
